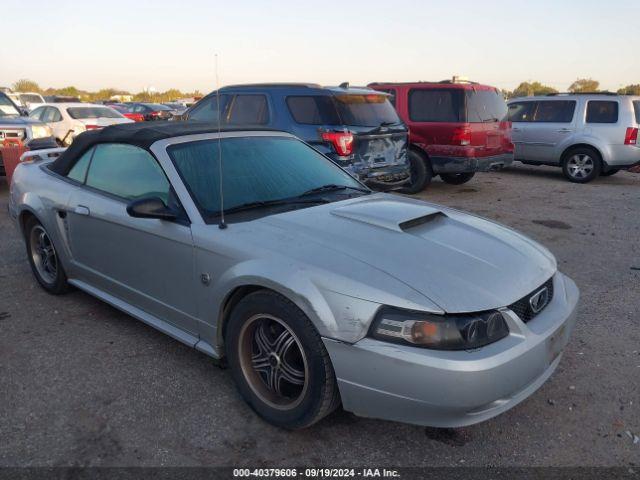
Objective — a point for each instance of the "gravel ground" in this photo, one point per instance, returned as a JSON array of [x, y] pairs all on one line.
[[82, 384]]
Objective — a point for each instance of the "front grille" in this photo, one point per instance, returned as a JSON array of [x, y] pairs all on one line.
[[523, 308]]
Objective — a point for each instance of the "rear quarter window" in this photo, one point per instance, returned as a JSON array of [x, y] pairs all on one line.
[[636, 107], [313, 110], [437, 105], [601, 111]]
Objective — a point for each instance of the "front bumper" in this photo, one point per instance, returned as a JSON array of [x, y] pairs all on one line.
[[453, 389], [470, 164]]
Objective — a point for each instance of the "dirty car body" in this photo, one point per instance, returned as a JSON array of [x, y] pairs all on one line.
[[352, 262]]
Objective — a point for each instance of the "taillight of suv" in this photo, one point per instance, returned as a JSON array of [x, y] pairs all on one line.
[[631, 136], [342, 142], [461, 136]]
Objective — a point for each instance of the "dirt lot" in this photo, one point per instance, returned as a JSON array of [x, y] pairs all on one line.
[[83, 384]]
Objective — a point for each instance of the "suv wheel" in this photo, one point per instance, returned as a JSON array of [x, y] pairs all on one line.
[[43, 258], [421, 173], [456, 178], [278, 361], [581, 165]]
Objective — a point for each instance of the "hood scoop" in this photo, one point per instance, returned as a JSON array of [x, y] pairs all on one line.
[[390, 214]]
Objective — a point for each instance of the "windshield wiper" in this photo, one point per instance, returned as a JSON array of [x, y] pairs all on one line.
[[269, 203], [332, 187]]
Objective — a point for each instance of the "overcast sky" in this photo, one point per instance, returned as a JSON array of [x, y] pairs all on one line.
[[136, 44]]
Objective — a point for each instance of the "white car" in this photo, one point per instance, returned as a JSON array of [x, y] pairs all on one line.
[[67, 120]]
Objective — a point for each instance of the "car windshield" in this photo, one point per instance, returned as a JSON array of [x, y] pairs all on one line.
[[80, 113], [259, 171], [368, 110], [7, 108]]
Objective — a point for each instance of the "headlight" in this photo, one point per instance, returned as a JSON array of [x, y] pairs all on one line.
[[439, 332], [41, 131]]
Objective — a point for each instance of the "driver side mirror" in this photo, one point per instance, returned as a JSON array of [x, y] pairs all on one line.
[[150, 207]]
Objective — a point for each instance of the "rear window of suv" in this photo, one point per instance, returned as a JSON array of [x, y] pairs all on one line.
[[485, 106], [366, 110]]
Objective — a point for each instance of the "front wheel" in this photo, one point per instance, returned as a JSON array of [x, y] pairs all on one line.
[[278, 361], [581, 165], [43, 258], [456, 178], [421, 173]]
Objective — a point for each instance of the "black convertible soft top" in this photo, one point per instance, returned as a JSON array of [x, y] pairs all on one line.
[[140, 134]]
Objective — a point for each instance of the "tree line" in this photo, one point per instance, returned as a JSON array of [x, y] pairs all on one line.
[[581, 85], [26, 85], [525, 89]]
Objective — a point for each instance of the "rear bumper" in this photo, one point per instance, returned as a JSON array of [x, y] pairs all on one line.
[[453, 389], [623, 156], [470, 164], [389, 176]]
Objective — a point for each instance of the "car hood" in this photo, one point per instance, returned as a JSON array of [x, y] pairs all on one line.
[[460, 262], [19, 121]]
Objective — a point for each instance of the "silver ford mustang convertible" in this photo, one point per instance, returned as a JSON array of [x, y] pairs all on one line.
[[254, 248]]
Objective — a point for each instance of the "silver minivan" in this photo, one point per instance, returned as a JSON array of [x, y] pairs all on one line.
[[586, 134]]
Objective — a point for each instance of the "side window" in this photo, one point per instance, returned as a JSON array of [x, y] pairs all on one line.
[[600, 111], [128, 172], [248, 110], [313, 110], [54, 115], [37, 113], [521, 111], [436, 105], [555, 111], [79, 171], [206, 110], [636, 107]]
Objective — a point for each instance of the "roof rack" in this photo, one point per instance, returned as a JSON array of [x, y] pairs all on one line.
[[582, 93], [454, 80], [273, 84]]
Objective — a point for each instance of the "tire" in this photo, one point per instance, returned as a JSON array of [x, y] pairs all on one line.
[[608, 173], [581, 165], [265, 333], [43, 258], [456, 178], [421, 173]]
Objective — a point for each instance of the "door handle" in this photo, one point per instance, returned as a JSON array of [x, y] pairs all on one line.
[[565, 130], [516, 130], [81, 210]]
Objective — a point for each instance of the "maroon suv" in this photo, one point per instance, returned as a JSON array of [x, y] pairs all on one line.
[[456, 128]]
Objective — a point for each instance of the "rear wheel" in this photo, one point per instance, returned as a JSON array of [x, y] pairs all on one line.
[[456, 178], [421, 173], [608, 173], [43, 258], [278, 361], [581, 165]]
